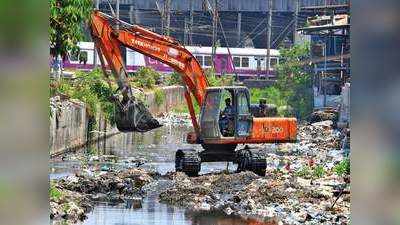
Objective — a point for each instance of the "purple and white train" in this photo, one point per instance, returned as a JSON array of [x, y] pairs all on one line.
[[248, 62]]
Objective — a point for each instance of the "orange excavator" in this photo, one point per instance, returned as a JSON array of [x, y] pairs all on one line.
[[218, 130]]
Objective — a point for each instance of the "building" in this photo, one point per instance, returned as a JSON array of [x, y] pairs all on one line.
[[243, 22]]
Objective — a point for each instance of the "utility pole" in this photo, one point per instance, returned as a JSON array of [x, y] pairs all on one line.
[[131, 15], [95, 50], [185, 32], [214, 34], [239, 27], [168, 15], [117, 13], [269, 28], [191, 22], [296, 16]]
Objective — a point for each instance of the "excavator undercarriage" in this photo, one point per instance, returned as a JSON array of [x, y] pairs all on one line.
[[247, 159]]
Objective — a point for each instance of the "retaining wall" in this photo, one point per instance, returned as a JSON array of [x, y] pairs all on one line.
[[174, 97], [69, 122]]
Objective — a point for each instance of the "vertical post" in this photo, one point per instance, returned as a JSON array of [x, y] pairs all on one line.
[[214, 34], [131, 17], [94, 47], [185, 32], [324, 74], [191, 22], [239, 27], [269, 28], [296, 16], [117, 13], [168, 15], [341, 64]]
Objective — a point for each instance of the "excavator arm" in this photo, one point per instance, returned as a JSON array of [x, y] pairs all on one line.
[[108, 40]]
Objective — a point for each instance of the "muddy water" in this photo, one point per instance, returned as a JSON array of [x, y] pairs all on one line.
[[157, 148]]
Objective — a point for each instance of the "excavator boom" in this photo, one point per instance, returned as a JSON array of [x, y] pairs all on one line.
[[109, 39]]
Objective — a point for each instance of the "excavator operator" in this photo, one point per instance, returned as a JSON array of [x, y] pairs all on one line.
[[226, 119]]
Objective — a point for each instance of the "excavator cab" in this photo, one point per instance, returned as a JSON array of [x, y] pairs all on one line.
[[225, 121], [225, 113]]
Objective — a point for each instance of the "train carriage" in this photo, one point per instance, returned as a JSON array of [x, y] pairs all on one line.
[[246, 62]]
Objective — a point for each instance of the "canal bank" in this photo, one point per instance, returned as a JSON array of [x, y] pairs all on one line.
[[71, 128]]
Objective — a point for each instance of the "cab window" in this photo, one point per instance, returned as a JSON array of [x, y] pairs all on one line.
[[243, 106]]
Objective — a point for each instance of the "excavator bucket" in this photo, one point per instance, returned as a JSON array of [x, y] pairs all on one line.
[[134, 116]]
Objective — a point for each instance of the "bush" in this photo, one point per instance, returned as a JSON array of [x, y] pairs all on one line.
[[159, 96], [311, 173], [174, 79], [54, 193], [304, 172], [146, 78], [272, 94], [318, 171], [343, 168], [212, 79], [90, 88]]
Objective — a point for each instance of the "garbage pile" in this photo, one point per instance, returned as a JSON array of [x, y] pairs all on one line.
[[304, 183], [175, 118], [72, 197]]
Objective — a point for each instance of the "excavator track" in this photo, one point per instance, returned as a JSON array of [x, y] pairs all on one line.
[[251, 160], [187, 161]]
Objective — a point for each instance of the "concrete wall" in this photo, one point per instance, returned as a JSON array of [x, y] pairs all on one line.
[[174, 97], [69, 122]]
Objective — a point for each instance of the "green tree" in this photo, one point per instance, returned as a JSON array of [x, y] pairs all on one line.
[[67, 21], [294, 82]]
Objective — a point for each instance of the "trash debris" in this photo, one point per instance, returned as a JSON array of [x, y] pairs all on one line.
[[78, 193], [283, 193]]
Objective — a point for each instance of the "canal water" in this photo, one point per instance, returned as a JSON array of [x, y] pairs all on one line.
[[157, 148]]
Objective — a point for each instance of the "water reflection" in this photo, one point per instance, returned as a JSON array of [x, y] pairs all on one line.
[[155, 213], [157, 145]]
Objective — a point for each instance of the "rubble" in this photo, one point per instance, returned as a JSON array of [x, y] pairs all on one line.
[[175, 118], [285, 192], [79, 192]]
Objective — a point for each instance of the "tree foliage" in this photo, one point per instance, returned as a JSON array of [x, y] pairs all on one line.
[[146, 77], [67, 19], [294, 81], [293, 89], [90, 88]]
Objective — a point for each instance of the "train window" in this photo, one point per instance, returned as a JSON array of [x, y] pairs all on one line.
[[245, 62], [207, 60], [83, 57], [274, 61], [200, 59], [236, 61], [74, 56]]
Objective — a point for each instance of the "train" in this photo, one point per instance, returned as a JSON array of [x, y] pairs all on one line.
[[244, 62]]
